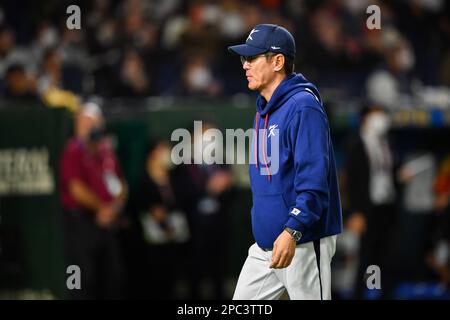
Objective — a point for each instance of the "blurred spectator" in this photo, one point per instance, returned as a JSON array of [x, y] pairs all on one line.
[[11, 53], [442, 186], [50, 83], [133, 81], [164, 226], [371, 195], [198, 79], [336, 48], [93, 192], [391, 85], [100, 11], [202, 37], [75, 61], [438, 253], [204, 192], [6, 44], [18, 84], [46, 37]]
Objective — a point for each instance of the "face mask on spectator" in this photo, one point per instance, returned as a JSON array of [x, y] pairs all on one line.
[[48, 38], [377, 124], [199, 78], [96, 134], [405, 59]]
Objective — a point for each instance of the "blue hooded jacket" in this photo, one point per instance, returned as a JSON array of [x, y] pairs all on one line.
[[301, 192]]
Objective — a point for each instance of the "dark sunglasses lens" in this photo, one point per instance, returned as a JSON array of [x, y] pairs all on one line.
[[249, 59]]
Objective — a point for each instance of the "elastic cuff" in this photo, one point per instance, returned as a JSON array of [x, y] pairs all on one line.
[[295, 224]]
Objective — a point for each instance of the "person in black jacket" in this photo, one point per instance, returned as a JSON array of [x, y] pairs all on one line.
[[372, 194], [163, 225], [204, 191]]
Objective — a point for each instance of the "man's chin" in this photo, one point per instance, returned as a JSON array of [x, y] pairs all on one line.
[[252, 86]]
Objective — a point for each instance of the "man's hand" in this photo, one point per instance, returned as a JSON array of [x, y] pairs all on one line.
[[357, 223], [441, 202], [283, 251], [159, 213], [106, 216]]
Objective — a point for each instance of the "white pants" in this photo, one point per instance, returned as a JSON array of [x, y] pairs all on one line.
[[308, 277]]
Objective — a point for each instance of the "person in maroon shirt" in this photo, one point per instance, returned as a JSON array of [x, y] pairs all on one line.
[[93, 193]]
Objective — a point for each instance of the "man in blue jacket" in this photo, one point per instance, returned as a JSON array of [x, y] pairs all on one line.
[[296, 212]]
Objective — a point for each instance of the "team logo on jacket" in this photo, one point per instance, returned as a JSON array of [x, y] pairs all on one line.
[[271, 130], [295, 211]]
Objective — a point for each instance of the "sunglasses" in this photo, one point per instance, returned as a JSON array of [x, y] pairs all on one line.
[[250, 59]]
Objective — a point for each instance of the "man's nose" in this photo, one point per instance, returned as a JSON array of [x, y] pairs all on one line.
[[246, 65]]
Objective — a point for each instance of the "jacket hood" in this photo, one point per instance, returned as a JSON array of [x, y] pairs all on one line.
[[291, 85]]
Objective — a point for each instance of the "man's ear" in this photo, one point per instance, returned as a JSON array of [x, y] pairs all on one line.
[[279, 62]]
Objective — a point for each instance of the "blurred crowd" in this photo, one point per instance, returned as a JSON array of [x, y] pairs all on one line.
[[137, 48], [171, 226], [383, 188], [142, 241], [166, 236]]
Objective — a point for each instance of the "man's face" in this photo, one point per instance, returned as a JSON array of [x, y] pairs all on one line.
[[85, 124], [259, 71], [18, 82]]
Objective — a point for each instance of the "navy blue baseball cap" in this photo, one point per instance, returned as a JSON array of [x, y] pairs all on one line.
[[266, 38]]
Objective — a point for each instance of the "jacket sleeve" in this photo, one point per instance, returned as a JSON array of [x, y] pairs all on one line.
[[309, 139]]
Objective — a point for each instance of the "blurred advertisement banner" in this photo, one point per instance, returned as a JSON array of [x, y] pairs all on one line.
[[25, 172]]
